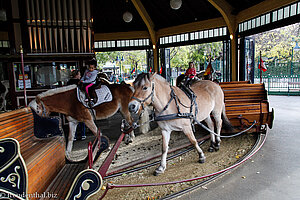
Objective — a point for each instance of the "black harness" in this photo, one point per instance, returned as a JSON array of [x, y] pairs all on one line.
[[174, 97]]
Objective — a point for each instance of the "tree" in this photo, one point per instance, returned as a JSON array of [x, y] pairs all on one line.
[[198, 53], [135, 58], [277, 44]]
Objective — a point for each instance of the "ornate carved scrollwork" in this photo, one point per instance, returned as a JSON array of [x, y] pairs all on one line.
[[13, 172], [87, 183]]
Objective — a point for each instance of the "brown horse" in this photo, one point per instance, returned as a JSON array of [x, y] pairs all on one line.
[[64, 100], [168, 101]]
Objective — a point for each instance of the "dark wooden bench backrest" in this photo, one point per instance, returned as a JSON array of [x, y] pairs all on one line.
[[242, 92], [17, 124]]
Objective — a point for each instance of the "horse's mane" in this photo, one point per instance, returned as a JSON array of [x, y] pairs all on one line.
[[140, 79], [160, 78], [56, 91], [146, 76]]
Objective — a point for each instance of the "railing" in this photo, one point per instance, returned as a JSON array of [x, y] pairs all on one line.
[[282, 85]]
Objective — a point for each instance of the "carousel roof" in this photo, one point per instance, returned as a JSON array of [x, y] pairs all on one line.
[[159, 16]]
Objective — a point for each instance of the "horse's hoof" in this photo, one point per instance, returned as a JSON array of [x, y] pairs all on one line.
[[128, 142], [160, 170], [217, 148], [157, 173], [211, 149], [202, 160]]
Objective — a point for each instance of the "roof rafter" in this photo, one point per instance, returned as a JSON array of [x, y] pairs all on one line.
[[225, 9], [146, 18]]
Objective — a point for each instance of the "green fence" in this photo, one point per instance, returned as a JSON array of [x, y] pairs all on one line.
[[280, 69], [281, 78]]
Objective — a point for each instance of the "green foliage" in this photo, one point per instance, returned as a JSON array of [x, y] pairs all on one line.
[[198, 53], [133, 58], [278, 43]]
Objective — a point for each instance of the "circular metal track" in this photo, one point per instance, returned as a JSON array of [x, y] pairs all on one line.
[[261, 138]]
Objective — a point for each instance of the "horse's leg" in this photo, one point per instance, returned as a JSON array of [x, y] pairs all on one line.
[[92, 126], [125, 113], [72, 130], [165, 146], [210, 125], [189, 133], [218, 120]]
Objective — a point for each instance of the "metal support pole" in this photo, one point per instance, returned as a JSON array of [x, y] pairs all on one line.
[[24, 83]]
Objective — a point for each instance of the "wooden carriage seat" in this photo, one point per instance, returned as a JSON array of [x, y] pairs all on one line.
[[247, 102], [44, 158]]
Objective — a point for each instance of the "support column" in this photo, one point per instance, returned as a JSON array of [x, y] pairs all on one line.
[[155, 57], [234, 56]]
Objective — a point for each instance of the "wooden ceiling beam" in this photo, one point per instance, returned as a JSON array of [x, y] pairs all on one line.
[[225, 9], [146, 18], [122, 35], [261, 8]]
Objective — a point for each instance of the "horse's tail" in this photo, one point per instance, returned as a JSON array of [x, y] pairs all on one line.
[[226, 123]]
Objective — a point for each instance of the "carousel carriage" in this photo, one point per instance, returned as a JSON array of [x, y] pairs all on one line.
[[38, 166]]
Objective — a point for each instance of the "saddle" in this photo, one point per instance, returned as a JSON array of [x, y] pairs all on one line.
[[187, 90], [102, 95]]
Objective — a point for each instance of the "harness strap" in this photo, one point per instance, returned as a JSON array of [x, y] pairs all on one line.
[[144, 100], [173, 96], [177, 115], [173, 116]]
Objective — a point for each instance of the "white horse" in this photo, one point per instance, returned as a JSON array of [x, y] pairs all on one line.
[[168, 101]]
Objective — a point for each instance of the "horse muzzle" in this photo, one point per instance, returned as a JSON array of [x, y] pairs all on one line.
[[33, 105], [134, 106]]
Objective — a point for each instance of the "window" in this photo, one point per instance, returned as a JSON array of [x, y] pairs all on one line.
[[43, 75]]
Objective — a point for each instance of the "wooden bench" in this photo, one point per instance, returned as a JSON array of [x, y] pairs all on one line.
[[43, 157], [47, 170], [247, 102]]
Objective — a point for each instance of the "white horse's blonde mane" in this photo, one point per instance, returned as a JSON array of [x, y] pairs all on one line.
[[56, 91]]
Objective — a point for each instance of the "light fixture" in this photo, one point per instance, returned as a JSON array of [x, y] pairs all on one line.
[[127, 16], [231, 36], [175, 4]]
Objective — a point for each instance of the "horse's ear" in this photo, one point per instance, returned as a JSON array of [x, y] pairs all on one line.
[[152, 76]]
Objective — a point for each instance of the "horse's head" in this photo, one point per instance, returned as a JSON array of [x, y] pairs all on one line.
[[38, 107], [143, 92]]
